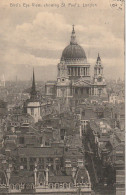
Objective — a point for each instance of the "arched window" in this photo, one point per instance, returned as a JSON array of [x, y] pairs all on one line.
[[22, 185], [71, 185], [65, 185], [32, 186], [51, 185], [32, 111], [17, 187], [57, 185], [11, 186]]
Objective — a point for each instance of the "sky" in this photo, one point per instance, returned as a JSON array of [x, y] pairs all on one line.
[[36, 36]]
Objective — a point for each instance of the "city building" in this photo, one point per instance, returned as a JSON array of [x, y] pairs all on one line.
[[2, 82], [74, 78], [32, 106]]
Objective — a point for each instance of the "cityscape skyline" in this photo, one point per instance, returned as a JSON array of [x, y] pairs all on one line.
[[62, 97]]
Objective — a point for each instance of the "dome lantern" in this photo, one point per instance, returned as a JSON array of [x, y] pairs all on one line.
[[73, 37], [73, 52], [98, 58]]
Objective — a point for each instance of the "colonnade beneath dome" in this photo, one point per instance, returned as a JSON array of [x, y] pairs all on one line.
[[79, 71]]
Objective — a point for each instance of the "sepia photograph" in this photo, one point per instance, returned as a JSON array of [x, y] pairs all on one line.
[[62, 97]]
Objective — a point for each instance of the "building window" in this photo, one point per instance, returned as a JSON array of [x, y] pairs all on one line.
[[21, 140], [32, 159], [47, 143], [23, 159], [32, 111], [12, 186], [32, 186], [50, 160], [99, 79], [120, 157], [41, 166], [115, 116], [17, 187], [68, 71], [41, 160], [57, 185], [25, 167], [83, 113], [76, 91], [78, 71], [26, 120], [51, 185], [40, 140], [65, 185], [32, 167]]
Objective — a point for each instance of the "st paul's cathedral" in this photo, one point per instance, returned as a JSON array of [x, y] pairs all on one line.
[[73, 77]]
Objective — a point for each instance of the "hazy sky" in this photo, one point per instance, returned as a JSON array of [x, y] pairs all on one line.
[[36, 36]]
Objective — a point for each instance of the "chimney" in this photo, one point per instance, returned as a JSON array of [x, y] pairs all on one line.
[[35, 176], [74, 175], [47, 176], [73, 172], [8, 171]]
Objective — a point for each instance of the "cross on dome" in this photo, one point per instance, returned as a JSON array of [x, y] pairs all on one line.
[[73, 29], [98, 58], [73, 37]]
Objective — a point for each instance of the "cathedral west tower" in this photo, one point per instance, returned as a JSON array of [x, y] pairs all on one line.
[[99, 84]]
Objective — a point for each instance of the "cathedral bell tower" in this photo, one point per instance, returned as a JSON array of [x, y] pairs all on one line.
[[63, 83], [98, 70], [99, 84]]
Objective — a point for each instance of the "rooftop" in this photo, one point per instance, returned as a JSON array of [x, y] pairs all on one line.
[[40, 151], [22, 177], [60, 179]]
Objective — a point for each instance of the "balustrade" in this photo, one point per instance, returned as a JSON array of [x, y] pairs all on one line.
[[19, 187]]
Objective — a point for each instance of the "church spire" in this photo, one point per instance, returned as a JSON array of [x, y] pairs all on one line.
[[98, 58], [73, 29], [33, 81], [73, 37], [33, 89]]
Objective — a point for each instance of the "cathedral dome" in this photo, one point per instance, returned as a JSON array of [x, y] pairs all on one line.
[[73, 51]]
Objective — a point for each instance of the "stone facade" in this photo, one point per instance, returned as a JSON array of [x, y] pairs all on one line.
[[73, 78]]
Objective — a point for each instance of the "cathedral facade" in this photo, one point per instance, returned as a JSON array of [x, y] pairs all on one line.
[[73, 77]]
